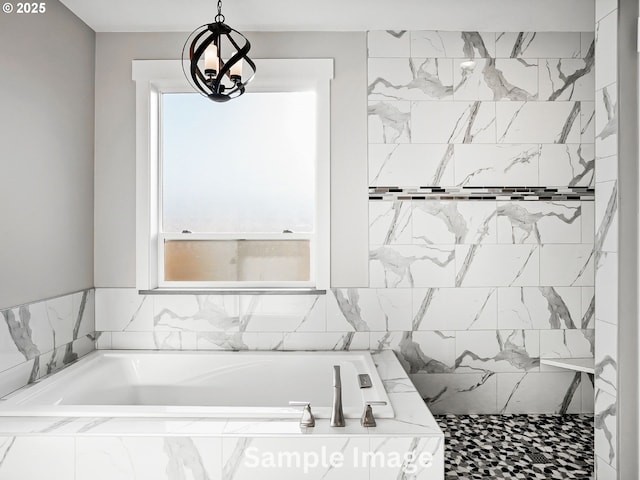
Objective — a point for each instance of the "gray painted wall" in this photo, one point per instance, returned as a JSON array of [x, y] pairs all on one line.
[[46, 155], [115, 144], [628, 258]]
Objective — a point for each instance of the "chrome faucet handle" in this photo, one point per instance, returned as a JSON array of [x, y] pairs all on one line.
[[368, 420], [307, 420], [337, 381], [337, 414]]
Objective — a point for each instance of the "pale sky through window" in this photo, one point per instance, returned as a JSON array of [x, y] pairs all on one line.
[[247, 165]]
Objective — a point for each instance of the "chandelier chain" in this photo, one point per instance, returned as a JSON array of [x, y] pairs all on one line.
[[220, 17]]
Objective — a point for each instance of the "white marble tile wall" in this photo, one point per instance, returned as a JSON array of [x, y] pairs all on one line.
[[464, 243], [606, 237], [495, 285], [522, 289], [481, 109], [40, 338]]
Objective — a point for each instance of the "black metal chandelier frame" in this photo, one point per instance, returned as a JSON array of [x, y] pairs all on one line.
[[224, 83]]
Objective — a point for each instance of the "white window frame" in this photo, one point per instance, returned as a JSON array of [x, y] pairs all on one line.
[[156, 77]]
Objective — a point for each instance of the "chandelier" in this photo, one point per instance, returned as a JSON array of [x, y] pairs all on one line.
[[204, 64]]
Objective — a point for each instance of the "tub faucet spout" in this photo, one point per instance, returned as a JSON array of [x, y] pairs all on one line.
[[337, 415]]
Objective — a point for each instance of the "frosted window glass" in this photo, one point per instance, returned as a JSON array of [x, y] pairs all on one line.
[[243, 166], [237, 260]]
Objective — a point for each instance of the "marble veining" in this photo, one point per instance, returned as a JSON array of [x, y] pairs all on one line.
[[563, 82], [584, 168], [42, 337], [606, 238], [525, 219], [184, 459], [452, 44], [502, 168], [455, 309], [508, 275], [424, 307], [388, 43], [521, 44], [610, 126], [235, 458], [141, 304], [209, 310], [589, 315], [20, 331], [600, 368], [424, 79], [469, 123], [564, 405], [605, 423], [400, 265], [394, 122], [485, 75], [465, 223], [232, 341], [559, 313], [511, 348], [410, 164], [389, 223], [562, 122], [350, 309], [607, 219], [412, 356], [539, 45]]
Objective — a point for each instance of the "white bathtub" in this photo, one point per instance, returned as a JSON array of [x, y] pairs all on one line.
[[201, 384]]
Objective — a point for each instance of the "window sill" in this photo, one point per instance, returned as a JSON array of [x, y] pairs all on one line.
[[233, 291]]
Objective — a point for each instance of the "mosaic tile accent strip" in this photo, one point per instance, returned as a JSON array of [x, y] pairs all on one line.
[[482, 193], [518, 447]]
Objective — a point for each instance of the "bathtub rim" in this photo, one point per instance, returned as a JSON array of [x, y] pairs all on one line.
[[413, 419], [10, 408]]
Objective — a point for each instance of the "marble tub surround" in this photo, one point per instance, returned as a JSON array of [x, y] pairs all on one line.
[[223, 448], [42, 337], [466, 348], [411, 417]]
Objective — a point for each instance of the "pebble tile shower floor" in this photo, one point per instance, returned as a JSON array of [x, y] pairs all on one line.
[[510, 446]]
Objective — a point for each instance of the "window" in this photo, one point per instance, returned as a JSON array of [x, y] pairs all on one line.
[[233, 195], [239, 177]]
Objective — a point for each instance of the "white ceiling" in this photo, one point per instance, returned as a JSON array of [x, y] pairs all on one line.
[[337, 15]]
